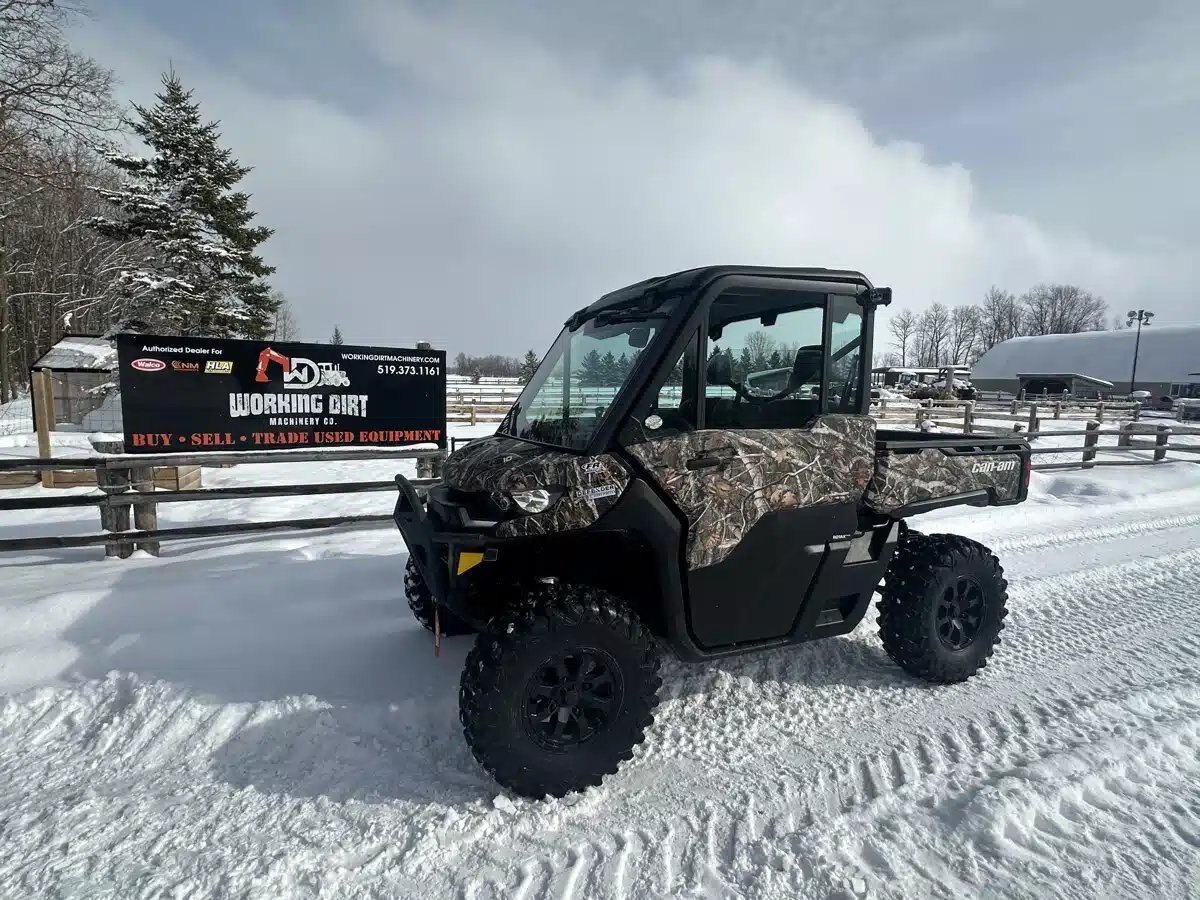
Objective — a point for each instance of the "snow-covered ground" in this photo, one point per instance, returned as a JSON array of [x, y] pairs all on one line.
[[260, 717]]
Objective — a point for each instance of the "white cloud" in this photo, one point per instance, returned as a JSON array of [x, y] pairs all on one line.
[[503, 186]]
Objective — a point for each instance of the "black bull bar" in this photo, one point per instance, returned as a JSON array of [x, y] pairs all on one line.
[[425, 545]]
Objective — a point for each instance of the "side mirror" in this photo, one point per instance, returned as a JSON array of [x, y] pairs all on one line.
[[720, 370], [639, 337]]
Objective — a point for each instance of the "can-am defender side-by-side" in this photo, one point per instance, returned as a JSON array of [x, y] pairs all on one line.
[[660, 482]]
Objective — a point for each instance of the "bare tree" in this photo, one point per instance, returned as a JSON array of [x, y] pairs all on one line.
[[1000, 318], [285, 327], [964, 334], [50, 97], [903, 325], [933, 336], [1062, 309]]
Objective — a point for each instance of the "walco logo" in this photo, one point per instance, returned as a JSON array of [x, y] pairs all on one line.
[[300, 373], [148, 365], [218, 367], [994, 465]]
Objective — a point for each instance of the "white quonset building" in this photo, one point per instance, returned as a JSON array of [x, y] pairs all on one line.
[[1168, 360]]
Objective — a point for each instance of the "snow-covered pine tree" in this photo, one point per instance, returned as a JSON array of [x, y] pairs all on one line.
[[199, 272], [528, 366], [336, 338]]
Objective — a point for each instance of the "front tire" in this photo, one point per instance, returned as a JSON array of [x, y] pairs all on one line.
[[942, 607], [422, 604], [559, 692]]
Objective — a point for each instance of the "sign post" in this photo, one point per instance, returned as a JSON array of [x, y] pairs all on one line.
[[196, 394]]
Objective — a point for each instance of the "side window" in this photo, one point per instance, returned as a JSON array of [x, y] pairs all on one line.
[[845, 353], [669, 405], [771, 374]]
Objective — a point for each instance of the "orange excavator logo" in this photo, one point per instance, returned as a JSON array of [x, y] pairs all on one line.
[[268, 356]]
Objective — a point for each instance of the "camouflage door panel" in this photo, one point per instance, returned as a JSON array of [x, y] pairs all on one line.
[[904, 478], [764, 471], [590, 484]]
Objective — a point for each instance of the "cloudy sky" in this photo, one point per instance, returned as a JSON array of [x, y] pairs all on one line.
[[470, 173]]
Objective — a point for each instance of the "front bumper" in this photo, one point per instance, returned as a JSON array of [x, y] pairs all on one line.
[[441, 556]]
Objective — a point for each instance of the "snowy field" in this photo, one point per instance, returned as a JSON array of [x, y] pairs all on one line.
[[259, 717]]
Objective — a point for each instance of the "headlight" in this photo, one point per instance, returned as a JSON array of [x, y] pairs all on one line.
[[535, 501]]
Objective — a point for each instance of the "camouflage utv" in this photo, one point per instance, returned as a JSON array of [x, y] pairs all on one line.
[[660, 485]]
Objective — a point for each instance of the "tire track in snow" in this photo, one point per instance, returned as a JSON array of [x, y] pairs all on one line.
[[1092, 622]]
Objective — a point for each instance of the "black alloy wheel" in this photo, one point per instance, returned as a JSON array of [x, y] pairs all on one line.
[[572, 697], [959, 613]]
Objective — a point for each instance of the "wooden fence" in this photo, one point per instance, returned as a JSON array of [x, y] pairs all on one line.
[[1026, 416], [126, 483]]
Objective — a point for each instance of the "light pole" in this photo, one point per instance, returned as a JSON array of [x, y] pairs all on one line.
[[1142, 317]]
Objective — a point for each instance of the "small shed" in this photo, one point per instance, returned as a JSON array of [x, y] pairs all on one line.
[[1083, 387], [75, 387], [78, 377]]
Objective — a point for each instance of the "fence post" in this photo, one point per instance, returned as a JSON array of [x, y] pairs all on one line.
[[145, 513], [1021, 396], [1123, 438], [473, 412], [1137, 412], [1099, 410], [114, 518], [1013, 411], [1163, 432], [113, 481], [968, 417], [1058, 409], [43, 410], [1034, 426], [1089, 444]]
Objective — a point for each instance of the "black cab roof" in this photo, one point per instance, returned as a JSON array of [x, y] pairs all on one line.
[[693, 279]]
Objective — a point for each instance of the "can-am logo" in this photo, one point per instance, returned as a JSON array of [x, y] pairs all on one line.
[[994, 465], [148, 365], [300, 373]]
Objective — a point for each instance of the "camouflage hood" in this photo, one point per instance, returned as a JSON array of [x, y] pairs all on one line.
[[589, 485]]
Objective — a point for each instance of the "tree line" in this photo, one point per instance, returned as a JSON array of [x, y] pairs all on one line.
[[943, 335], [95, 238]]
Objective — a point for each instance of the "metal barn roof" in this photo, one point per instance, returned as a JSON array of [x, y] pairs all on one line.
[[1169, 353], [79, 353]]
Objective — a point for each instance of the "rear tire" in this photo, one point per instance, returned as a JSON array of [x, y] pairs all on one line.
[[422, 604], [559, 691], [942, 607]]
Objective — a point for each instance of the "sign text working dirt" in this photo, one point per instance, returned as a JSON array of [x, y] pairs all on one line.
[[188, 394]]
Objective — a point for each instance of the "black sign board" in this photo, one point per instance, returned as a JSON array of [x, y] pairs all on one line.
[[195, 394]]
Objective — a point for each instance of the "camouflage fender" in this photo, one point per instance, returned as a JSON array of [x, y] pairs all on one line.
[[904, 478], [590, 484], [766, 470]]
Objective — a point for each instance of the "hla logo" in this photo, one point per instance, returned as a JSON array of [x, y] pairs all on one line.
[[994, 465], [300, 373]]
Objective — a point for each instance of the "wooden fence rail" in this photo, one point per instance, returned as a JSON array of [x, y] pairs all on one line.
[[125, 486]]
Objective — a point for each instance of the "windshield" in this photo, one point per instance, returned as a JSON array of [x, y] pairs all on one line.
[[569, 395]]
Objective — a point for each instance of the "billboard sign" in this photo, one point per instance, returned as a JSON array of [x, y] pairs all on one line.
[[189, 394]]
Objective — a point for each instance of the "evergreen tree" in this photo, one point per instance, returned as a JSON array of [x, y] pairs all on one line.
[[336, 338], [744, 365], [528, 366], [608, 370], [591, 369], [199, 272], [624, 365]]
